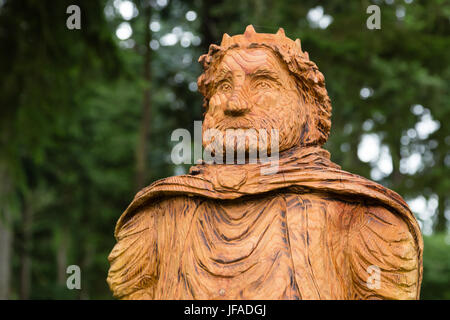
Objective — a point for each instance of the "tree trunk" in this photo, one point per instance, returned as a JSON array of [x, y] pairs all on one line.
[[61, 257], [6, 237], [145, 126], [86, 262], [208, 26], [441, 223], [25, 256], [6, 219]]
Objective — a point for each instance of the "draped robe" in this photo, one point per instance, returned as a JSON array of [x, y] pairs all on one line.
[[308, 231]]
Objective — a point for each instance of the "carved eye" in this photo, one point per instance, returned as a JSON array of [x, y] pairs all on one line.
[[225, 87], [262, 85]]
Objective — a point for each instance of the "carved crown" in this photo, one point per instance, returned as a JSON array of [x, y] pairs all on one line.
[[250, 36]]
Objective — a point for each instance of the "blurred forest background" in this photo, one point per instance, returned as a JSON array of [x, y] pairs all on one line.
[[86, 117]]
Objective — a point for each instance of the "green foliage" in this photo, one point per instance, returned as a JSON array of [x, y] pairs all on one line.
[[436, 266]]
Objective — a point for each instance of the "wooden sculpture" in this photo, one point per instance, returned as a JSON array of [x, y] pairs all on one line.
[[226, 231]]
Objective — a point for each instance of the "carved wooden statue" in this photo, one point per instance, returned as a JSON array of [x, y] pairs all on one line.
[[226, 231]]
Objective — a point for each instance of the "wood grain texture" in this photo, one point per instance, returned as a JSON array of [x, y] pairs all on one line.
[[225, 231]]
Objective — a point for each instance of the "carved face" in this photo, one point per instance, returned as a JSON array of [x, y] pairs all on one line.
[[254, 89]]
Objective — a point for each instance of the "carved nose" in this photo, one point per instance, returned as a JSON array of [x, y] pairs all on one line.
[[236, 106]]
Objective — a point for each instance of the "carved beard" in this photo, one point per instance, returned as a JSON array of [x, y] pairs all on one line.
[[285, 117]]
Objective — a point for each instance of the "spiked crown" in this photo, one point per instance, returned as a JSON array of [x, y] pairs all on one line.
[[250, 36]]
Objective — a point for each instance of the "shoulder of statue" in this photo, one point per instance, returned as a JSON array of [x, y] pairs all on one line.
[[133, 267], [150, 205], [133, 271], [385, 255]]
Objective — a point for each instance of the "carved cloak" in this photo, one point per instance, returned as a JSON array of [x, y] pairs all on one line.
[[300, 171]]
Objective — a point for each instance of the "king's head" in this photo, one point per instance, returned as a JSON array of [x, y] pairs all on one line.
[[265, 81]]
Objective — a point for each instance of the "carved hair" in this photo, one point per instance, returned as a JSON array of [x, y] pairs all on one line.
[[310, 81]]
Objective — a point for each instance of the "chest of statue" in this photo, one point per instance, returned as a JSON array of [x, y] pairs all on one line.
[[245, 250]]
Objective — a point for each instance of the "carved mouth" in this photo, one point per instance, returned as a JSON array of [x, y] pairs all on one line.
[[243, 123], [236, 128]]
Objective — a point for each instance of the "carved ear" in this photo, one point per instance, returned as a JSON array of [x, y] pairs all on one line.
[[298, 44], [249, 31], [280, 32], [225, 40]]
